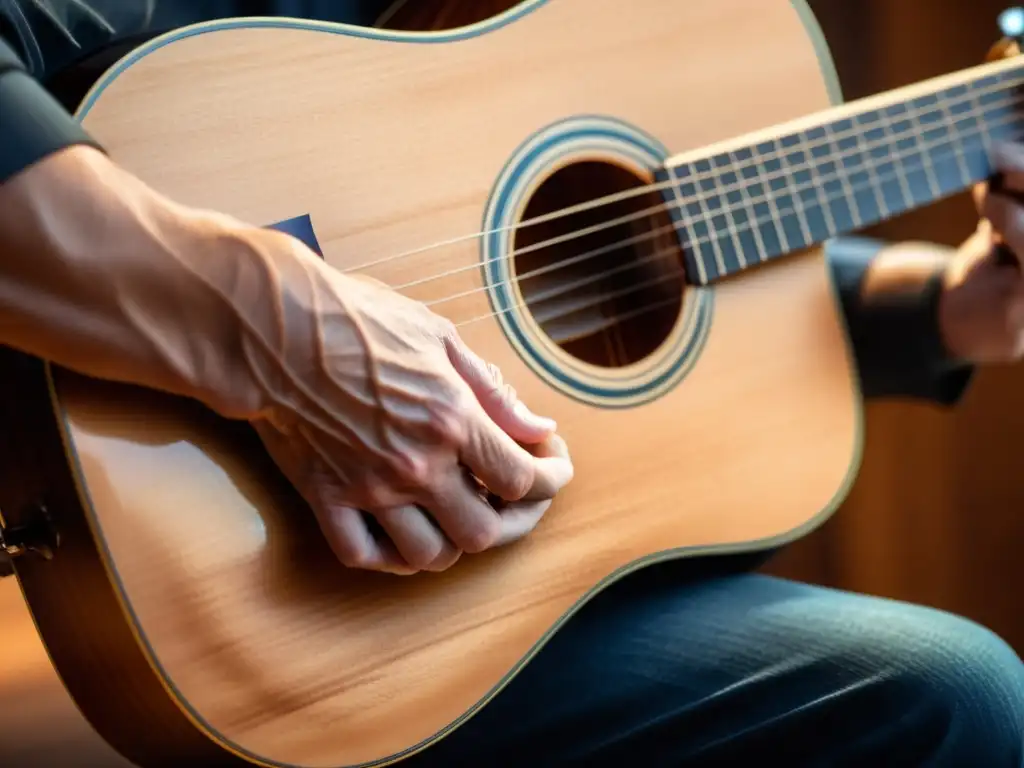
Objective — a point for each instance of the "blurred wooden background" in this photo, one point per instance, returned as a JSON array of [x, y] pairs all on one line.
[[937, 514]]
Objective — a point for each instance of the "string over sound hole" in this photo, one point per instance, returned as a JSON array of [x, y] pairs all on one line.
[[606, 282]]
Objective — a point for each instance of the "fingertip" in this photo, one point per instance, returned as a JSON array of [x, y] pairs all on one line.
[[553, 474], [542, 425]]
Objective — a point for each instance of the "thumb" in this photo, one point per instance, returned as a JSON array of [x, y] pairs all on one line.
[[499, 400]]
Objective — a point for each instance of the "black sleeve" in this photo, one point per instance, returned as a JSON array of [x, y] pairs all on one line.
[[32, 123], [896, 342]]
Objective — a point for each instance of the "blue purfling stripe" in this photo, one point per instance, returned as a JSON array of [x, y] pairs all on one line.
[[496, 272]]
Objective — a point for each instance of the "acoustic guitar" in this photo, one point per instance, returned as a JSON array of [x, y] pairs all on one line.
[[608, 222]]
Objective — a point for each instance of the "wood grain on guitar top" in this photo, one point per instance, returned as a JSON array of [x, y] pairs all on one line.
[[390, 146]]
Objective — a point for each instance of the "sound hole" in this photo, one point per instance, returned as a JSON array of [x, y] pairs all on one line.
[[611, 295]]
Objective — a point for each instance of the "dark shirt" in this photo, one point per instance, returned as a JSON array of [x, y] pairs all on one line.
[[897, 346]]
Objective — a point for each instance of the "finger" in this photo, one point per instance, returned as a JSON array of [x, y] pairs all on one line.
[[498, 399], [469, 522], [417, 539], [507, 469], [1008, 162], [1007, 218], [554, 469], [448, 557], [497, 461], [354, 545], [520, 518], [346, 529]]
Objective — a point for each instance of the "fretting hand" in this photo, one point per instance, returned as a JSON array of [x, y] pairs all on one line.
[[981, 313]]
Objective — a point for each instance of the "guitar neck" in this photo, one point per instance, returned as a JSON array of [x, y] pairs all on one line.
[[767, 194]]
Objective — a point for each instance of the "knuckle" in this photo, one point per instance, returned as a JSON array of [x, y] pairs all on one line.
[[444, 328], [409, 469], [447, 426], [375, 494]]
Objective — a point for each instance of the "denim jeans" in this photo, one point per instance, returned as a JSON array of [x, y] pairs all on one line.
[[749, 670]]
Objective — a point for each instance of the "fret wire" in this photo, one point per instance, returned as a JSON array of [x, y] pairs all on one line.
[[920, 143], [910, 116], [805, 228], [906, 118], [919, 150], [692, 223], [923, 159], [998, 94], [858, 162], [806, 186], [716, 247], [892, 138], [749, 210], [986, 138], [773, 204], [881, 160], [903, 115], [947, 168], [872, 173], [718, 209], [928, 169], [791, 212], [844, 178], [722, 170], [677, 212], [965, 172], [1016, 135], [830, 222]]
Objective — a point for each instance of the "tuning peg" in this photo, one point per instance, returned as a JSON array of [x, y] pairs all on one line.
[[1011, 23]]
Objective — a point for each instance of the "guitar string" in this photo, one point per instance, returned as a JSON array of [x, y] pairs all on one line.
[[855, 131], [752, 224], [618, 293], [719, 192], [651, 235], [556, 292]]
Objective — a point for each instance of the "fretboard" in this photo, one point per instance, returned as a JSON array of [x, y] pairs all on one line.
[[766, 195]]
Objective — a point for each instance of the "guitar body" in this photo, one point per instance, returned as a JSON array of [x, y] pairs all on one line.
[[192, 609]]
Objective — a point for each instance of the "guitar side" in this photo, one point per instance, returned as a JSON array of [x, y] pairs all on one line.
[[193, 591]]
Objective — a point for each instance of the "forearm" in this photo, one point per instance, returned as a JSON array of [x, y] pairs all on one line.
[[890, 296], [97, 276]]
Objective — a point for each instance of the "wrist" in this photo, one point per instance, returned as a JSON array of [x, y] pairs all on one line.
[[106, 277], [905, 290]]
